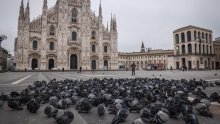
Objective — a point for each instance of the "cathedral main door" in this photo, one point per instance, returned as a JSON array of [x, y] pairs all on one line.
[[93, 64], [51, 64], [73, 61], [34, 64]]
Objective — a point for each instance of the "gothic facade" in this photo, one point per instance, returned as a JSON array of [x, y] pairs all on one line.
[[68, 35]]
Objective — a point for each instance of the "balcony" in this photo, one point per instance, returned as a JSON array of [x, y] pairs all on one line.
[[94, 53], [74, 44]]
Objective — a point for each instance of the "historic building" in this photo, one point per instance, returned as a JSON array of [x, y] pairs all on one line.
[[68, 35], [193, 48], [217, 52], [3, 59], [145, 59]]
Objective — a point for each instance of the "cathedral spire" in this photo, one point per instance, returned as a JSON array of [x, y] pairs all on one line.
[[142, 47], [100, 9], [107, 26], [45, 7], [27, 12], [21, 14], [111, 24], [115, 23]]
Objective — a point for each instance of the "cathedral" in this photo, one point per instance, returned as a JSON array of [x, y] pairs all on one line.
[[66, 36]]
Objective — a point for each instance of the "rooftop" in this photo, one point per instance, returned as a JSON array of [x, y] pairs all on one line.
[[191, 27]]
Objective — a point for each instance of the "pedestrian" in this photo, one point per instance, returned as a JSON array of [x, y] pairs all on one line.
[[62, 69], [171, 68], [80, 69], [133, 66]]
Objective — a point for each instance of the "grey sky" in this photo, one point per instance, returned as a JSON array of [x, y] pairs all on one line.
[[152, 21]]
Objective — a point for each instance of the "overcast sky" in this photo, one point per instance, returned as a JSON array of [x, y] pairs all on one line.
[[150, 21]]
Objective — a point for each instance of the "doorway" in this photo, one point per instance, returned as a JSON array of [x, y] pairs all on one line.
[[177, 65], [51, 64], [34, 64], [106, 64], [93, 64], [73, 61], [189, 65]]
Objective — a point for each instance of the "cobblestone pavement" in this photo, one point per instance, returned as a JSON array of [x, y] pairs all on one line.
[[19, 80]]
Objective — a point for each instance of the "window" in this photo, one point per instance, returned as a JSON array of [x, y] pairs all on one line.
[[177, 38], [35, 45], [182, 37], [51, 45], [210, 49], [189, 36], [203, 36], [105, 49], [189, 48], [74, 15], [93, 35], [199, 35], [183, 49], [52, 30], [93, 48], [195, 37], [195, 48], [206, 37], [74, 36]]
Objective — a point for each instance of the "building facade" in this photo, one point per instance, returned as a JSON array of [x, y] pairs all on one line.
[[217, 52], [145, 60], [3, 59], [193, 48], [66, 36]]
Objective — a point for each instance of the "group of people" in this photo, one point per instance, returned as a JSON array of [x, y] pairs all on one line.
[[155, 99]]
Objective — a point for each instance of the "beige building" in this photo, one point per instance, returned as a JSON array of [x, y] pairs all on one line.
[[149, 59], [193, 48], [69, 35], [217, 52]]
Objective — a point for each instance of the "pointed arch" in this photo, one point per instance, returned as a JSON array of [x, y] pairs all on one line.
[[52, 30], [74, 13]]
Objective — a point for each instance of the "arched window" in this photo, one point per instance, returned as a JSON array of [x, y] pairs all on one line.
[[199, 48], [177, 38], [206, 37], [146, 62], [51, 45], [182, 37], [35, 45], [210, 38], [203, 49], [189, 48], [189, 36], [207, 49], [74, 15], [74, 36], [183, 49], [93, 48], [105, 49], [52, 30], [93, 35], [195, 48], [195, 37], [203, 37], [199, 35], [210, 49], [177, 49]]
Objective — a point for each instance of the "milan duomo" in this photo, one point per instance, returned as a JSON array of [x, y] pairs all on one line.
[[66, 36]]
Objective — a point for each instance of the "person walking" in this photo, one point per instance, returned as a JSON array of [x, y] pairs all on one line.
[[133, 66], [80, 69]]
